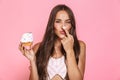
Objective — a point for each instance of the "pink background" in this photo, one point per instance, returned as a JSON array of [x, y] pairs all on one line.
[[98, 25]]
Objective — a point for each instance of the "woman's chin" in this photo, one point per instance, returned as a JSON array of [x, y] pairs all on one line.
[[61, 37]]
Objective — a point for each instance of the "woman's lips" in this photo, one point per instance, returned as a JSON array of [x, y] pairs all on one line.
[[62, 32]]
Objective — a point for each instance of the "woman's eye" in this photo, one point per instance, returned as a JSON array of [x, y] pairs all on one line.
[[57, 21], [68, 22]]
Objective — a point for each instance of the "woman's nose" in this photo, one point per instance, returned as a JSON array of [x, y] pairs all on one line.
[[63, 26]]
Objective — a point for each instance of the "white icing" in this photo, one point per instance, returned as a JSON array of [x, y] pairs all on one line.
[[27, 37]]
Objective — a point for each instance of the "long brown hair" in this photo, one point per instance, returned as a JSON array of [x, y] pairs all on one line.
[[46, 47]]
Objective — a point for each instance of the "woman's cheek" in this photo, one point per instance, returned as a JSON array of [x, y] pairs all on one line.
[[57, 27], [68, 28]]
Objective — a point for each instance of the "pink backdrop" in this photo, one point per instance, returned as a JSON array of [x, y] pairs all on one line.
[[98, 25]]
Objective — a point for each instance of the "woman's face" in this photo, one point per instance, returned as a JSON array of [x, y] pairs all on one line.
[[62, 20]]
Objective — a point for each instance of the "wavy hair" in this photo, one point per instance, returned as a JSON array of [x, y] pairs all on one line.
[[46, 47]]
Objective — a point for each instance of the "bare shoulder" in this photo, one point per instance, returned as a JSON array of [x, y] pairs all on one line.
[[82, 48], [82, 57], [82, 43], [35, 47]]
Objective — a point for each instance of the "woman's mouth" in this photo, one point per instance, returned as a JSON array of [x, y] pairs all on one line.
[[62, 32]]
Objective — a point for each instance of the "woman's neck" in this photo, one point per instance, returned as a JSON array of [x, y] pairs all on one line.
[[57, 49], [58, 43]]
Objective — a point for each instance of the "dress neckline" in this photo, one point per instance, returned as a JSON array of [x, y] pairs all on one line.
[[57, 58]]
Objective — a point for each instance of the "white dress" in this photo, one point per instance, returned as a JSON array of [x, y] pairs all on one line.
[[56, 67]]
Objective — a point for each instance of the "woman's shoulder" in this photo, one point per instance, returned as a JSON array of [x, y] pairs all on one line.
[[36, 46], [82, 49], [82, 43]]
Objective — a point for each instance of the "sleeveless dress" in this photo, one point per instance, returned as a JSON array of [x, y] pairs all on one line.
[[56, 67]]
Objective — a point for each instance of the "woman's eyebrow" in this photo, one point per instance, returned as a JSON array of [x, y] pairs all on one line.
[[65, 20], [57, 19]]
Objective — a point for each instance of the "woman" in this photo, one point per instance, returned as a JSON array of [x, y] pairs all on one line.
[[60, 55]]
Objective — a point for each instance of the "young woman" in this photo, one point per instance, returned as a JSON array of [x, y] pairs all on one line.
[[60, 55]]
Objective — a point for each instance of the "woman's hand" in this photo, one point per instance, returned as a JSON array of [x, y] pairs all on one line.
[[28, 53], [67, 42]]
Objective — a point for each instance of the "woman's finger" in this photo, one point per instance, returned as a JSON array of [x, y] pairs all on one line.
[[26, 51], [21, 48], [66, 31]]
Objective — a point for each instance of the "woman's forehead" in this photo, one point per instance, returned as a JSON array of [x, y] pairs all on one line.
[[62, 15]]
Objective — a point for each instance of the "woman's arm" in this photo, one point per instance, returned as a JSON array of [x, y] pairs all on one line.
[[30, 55], [33, 67], [76, 72], [82, 58], [33, 71]]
